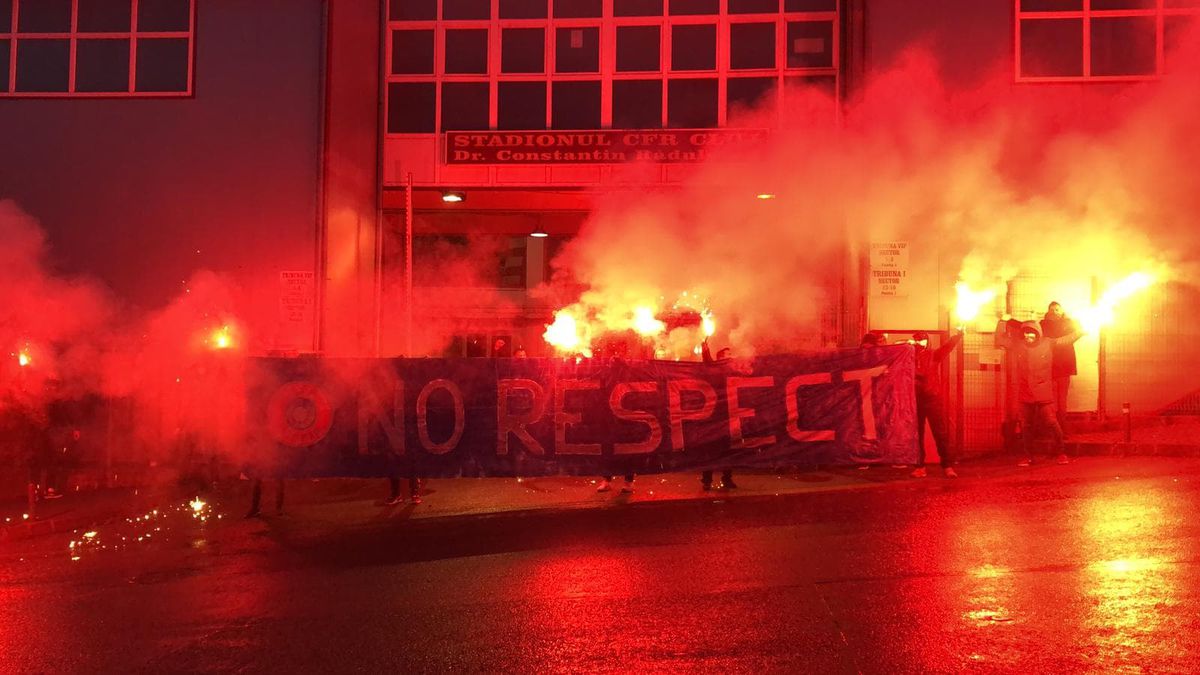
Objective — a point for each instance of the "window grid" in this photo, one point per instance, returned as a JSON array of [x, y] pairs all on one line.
[[1159, 12], [607, 73], [14, 36]]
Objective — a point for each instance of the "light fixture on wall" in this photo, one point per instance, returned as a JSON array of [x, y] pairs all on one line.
[[539, 233], [453, 197]]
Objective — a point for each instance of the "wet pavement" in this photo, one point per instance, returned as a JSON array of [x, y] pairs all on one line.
[[1088, 567]]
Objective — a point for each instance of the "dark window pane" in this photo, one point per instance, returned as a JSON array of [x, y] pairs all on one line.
[[44, 16], [413, 10], [43, 65], [1181, 4], [411, 107], [694, 47], [753, 6], [477, 345], [1123, 46], [809, 5], [162, 64], [412, 51], [102, 65], [578, 9], [464, 106], [163, 15], [576, 105], [637, 7], [467, 51], [1052, 48], [4, 47], [744, 94], [5, 17], [1123, 4], [1051, 5], [637, 104], [577, 50], [522, 9], [685, 7], [810, 44], [637, 48], [692, 104], [521, 105], [522, 50], [105, 16], [466, 9], [825, 84], [751, 45]]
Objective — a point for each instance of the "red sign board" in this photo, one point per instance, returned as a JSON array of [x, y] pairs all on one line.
[[604, 146]]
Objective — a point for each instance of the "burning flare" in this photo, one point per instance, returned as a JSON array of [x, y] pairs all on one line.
[[1102, 313], [564, 335], [644, 322], [969, 302], [23, 358], [221, 338]]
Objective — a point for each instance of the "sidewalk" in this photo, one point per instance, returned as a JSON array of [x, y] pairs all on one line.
[[77, 510]]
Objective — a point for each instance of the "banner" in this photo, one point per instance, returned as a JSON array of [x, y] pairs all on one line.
[[539, 417], [600, 146]]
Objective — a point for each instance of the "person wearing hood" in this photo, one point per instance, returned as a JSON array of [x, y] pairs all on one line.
[[930, 405], [1032, 357], [1057, 324]]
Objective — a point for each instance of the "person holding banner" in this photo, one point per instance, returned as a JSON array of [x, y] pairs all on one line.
[[706, 478], [930, 405]]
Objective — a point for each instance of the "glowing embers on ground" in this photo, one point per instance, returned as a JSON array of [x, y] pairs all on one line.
[[154, 525]]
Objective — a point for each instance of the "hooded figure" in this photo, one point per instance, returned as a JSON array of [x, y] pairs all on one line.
[[930, 406], [1033, 367]]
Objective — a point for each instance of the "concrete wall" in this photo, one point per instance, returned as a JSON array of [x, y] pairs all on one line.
[[143, 192]]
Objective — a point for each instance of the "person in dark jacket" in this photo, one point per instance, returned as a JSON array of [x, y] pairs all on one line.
[[930, 406], [1057, 324], [706, 478], [1032, 363]]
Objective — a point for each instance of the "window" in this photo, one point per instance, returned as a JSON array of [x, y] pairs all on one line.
[[753, 6], [578, 9], [637, 7], [575, 105], [522, 9], [411, 107], [1097, 39], [522, 50], [637, 104], [691, 7], [577, 50], [466, 9], [467, 51], [521, 105], [96, 47], [637, 49], [464, 106], [810, 44], [694, 47], [590, 64], [412, 51], [692, 104], [751, 45]]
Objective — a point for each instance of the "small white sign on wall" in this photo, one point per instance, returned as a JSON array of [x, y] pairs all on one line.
[[889, 268]]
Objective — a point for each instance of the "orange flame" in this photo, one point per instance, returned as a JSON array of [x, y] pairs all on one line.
[[221, 338], [1103, 312], [644, 322], [23, 358], [969, 302], [564, 334]]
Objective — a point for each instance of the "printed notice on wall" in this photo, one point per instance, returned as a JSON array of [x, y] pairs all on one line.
[[889, 268], [297, 298]]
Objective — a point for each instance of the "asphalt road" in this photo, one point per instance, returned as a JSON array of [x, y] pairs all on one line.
[[1091, 567]]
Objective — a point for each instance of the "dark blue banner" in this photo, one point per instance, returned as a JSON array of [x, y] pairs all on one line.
[[538, 417]]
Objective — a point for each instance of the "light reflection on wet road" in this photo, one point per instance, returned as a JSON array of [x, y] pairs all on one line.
[[1058, 569]]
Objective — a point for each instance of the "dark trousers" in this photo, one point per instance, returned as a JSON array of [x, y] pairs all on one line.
[[931, 409], [726, 477], [1061, 386], [414, 486], [1036, 417], [256, 496]]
